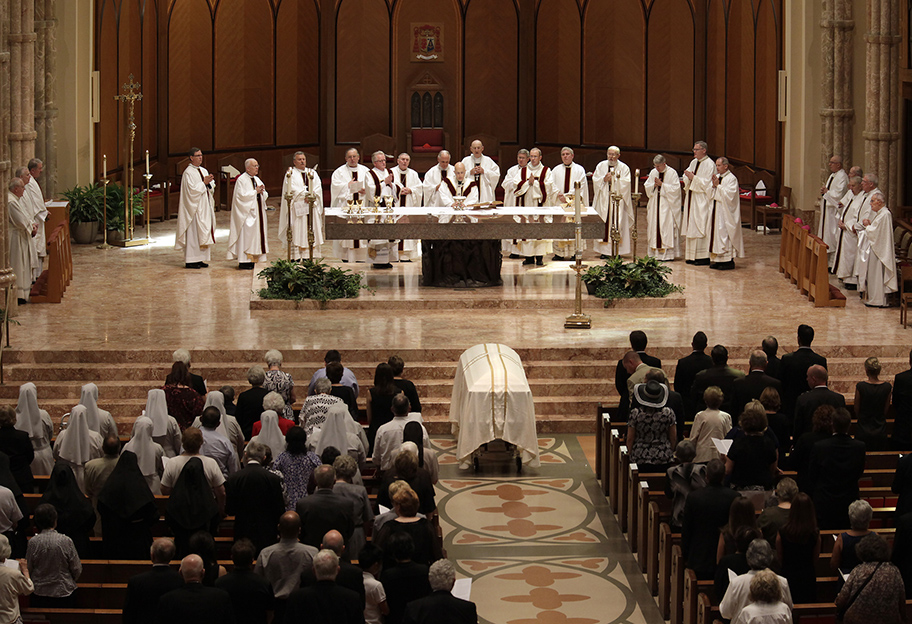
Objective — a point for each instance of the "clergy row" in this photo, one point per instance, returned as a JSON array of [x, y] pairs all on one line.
[[857, 227], [26, 213]]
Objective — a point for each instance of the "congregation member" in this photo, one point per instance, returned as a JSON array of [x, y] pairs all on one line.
[[304, 186], [340, 432], [296, 464], [269, 431], [719, 374], [128, 511], [849, 224], [18, 447], [638, 342], [21, 231], [196, 213], [752, 458], [37, 424], [415, 433], [77, 444], [774, 517], [375, 607], [482, 170], [405, 468], [251, 594], [441, 605], [434, 179], [194, 601], [508, 185], [389, 435], [215, 445], [533, 188], [711, 423], [766, 606], [228, 397], [875, 264], [53, 562], [770, 346], [426, 547], [279, 381], [382, 252], [612, 177], [247, 240], [97, 472], [663, 212], [751, 386], [165, 430], [408, 387], [874, 591], [902, 409], [316, 406], [363, 514], [836, 464], [409, 193], [651, 428], [725, 240], [349, 576], [871, 405], [184, 403], [324, 510], [351, 182], [250, 402], [831, 195], [760, 556], [348, 377], [682, 479], [798, 547], [99, 420], [795, 366], [844, 557], [144, 589], [698, 192], [228, 425], [687, 369], [817, 395], [196, 381], [33, 192], [705, 511], [778, 422], [149, 454], [326, 600], [380, 404], [565, 176], [254, 497], [406, 580], [821, 429], [283, 563]]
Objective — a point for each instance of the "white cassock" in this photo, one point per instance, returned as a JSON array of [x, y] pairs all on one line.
[[663, 213], [877, 259], [510, 245], [619, 182], [247, 237], [302, 183], [383, 251], [487, 181], [408, 179], [450, 190], [36, 205], [847, 243], [432, 179], [195, 216], [836, 186], [564, 178], [697, 194], [725, 241], [534, 187], [351, 183], [20, 245], [866, 212]]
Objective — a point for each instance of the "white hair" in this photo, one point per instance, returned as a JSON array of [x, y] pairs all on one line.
[[273, 357], [181, 355], [274, 401], [249, 162], [658, 160]]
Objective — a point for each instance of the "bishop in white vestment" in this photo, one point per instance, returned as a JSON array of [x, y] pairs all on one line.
[[849, 226], [21, 230], [508, 245], [434, 177], [196, 213], [409, 192], [725, 240], [382, 252], [303, 184], [534, 188], [831, 193], [247, 237], [483, 170], [613, 176], [33, 192], [697, 193], [877, 257], [351, 181], [459, 190], [663, 188], [565, 176], [32, 207]]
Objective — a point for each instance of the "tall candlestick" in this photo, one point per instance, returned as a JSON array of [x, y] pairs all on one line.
[[147, 161], [636, 181], [104, 166]]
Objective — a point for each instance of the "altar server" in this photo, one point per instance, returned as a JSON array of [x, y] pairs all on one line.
[[534, 188], [610, 177], [565, 177], [511, 246], [877, 259], [33, 192], [303, 184], [383, 252], [196, 213], [849, 226], [247, 237], [663, 212], [725, 241], [698, 190], [433, 179], [351, 181], [32, 208], [21, 230], [409, 194], [831, 193], [483, 170]]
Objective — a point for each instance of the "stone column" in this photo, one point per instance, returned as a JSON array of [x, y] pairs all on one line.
[[22, 83], [837, 114], [7, 278], [882, 108], [49, 146]]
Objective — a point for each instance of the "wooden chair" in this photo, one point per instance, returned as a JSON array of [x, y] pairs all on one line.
[[905, 296], [378, 142], [491, 143], [767, 212]]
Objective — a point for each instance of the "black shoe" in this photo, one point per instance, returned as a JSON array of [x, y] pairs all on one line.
[[245, 266], [726, 266], [557, 258], [22, 301], [702, 262], [202, 265], [405, 261], [513, 256], [344, 260], [539, 261], [195, 265], [529, 260], [851, 286], [383, 266], [713, 265], [690, 262]]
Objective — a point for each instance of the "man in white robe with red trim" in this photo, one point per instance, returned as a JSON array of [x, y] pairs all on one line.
[[534, 188], [302, 184], [876, 255], [433, 178], [698, 191], [21, 231], [831, 193], [32, 207], [613, 176], [247, 240], [36, 197], [351, 181], [196, 213], [458, 192], [382, 252], [483, 170], [565, 176], [849, 226], [663, 212], [725, 240], [409, 194], [511, 245]]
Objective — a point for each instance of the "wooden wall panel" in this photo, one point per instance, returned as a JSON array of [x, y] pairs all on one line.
[[150, 78], [244, 77], [297, 74], [491, 57], [557, 73], [614, 60], [362, 76], [106, 44], [670, 76], [131, 62], [189, 77], [739, 114], [766, 126], [715, 78]]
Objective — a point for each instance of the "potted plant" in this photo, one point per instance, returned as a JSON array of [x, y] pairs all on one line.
[[308, 279], [115, 220], [85, 212]]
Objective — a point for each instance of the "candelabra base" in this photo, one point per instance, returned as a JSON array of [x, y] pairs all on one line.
[[133, 242], [578, 321]]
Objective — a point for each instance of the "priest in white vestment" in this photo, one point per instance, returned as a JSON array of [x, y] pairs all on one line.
[[21, 230], [663, 212], [876, 254], [33, 191], [613, 176], [304, 186], [196, 213], [409, 194], [32, 208], [458, 192], [698, 190], [433, 178], [508, 185], [351, 181], [565, 176], [725, 240], [382, 252], [534, 188], [247, 237], [831, 193], [483, 170], [849, 226], [869, 184]]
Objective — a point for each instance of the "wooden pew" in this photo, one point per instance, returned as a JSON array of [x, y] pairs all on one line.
[[72, 616], [53, 281], [803, 260]]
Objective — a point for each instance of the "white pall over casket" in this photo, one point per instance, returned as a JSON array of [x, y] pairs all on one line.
[[492, 401]]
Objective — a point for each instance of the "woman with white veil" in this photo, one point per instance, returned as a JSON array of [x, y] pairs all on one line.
[[100, 421], [165, 430], [77, 444], [337, 431], [270, 434], [37, 424], [148, 453]]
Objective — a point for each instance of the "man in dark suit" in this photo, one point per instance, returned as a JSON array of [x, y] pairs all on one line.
[[835, 467], [750, 387], [324, 510], [144, 590], [902, 407], [638, 342], [705, 511], [719, 374], [350, 576], [250, 402], [770, 347], [441, 607], [687, 368], [325, 601], [198, 383], [254, 498], [793, 371], [194, 602], [251, 594], [808, 402]]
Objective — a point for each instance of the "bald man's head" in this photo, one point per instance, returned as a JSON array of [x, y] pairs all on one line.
[[333, 541], [192, 569], [290, 525]]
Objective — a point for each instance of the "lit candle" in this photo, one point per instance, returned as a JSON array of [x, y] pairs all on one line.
[[147, 162], [636, 181], [104, 167]]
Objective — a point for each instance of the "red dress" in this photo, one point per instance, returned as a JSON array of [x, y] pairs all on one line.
[[284, 426], [184, 404]]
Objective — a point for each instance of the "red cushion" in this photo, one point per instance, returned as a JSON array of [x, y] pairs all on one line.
[[427, 136]]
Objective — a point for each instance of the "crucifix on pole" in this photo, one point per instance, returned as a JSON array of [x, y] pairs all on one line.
[[129, 96]]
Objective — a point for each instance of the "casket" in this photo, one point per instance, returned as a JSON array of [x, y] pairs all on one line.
[[492, 401]]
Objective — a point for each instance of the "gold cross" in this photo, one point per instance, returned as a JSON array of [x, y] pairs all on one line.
[[131, 94]]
